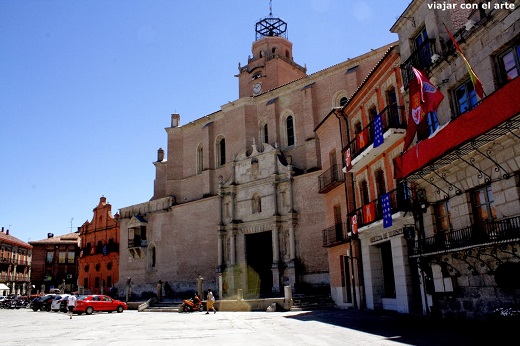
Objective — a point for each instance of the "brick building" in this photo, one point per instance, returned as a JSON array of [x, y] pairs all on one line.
[[15, 265], [55, 263], [99, 250], [237, 201], [367, 255]]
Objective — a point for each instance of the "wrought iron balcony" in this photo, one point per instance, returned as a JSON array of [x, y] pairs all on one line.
[[496, 231], [400, 200], [335, 235], [421, 59], [331, 178], [392, 117]]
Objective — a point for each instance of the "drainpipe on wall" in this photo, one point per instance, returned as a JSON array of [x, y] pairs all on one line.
[[351, 256]]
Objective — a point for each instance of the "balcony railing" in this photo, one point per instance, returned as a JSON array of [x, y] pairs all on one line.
[[400, 200], [392, 117], [335, 235], [4, 277], [421, 59], [477, 234], [331, 178]]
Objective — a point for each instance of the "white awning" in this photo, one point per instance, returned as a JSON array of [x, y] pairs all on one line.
[[3, 287]]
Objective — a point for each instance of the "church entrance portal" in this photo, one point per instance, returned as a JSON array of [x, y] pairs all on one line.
[[259, 260]]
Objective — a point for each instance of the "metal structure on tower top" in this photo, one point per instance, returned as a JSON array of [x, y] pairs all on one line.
[[270, 26]]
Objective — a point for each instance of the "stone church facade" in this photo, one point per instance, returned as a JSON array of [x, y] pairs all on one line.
[[236, 195]]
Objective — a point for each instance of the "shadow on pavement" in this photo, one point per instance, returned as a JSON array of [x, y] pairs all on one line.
[[415, 330]]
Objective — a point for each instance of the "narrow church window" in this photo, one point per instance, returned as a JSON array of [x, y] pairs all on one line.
[[266, 135], [221, 151], [199, 159], [152, 257], [290, 131]]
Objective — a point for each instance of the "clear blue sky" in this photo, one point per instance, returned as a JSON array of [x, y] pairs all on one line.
[[87, 88]]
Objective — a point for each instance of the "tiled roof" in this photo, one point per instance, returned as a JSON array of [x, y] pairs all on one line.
[[9, 239], [70, 238]]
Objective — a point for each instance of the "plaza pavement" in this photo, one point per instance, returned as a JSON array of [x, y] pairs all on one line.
[[316, 327]]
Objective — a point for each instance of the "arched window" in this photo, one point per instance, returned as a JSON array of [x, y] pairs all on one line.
[[199, 159], [263, 133], [290, 130], [221, 151], [343, 101], [287, 129], [153, 258]]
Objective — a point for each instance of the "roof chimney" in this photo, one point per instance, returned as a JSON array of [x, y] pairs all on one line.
[[6, 232], [2, 230]]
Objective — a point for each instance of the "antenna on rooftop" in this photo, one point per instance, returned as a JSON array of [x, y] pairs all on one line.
[[270, 8], [71, 224]]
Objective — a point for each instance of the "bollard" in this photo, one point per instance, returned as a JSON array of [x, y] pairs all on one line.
[[288, 302], [240, 294], [200, 290]]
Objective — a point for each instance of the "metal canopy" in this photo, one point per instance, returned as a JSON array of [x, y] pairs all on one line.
[[459, 153]]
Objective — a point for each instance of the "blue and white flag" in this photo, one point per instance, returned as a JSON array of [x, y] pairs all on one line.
[[378, 131], [387, 210]]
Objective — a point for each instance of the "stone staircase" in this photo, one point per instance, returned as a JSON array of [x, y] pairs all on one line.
[[300, 302], [164, 306]]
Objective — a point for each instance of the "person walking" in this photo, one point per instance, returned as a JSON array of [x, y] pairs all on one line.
[[210, 302], [71, 303]]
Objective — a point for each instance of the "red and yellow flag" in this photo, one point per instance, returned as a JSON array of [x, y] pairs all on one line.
[[472, 75]]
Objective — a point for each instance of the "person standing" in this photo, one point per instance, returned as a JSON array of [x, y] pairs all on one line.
[[210, 302], [71, 303]]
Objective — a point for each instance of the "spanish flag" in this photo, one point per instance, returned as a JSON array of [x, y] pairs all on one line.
[[472, 75]]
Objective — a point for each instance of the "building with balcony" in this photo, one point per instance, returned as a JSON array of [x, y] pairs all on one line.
[[15, 265], [367, 210], [465, 169], [55, 263], [99, 250], [235, 198]]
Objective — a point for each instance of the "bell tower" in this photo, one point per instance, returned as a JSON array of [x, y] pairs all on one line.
[[272, 62]]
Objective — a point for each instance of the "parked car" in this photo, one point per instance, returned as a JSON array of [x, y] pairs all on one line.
[[98, 302], [42, 303], [56, 302]]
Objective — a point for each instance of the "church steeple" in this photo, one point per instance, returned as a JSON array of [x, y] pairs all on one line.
[[272, 62]]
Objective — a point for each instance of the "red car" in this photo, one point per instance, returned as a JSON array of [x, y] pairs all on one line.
[[98, 302]]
